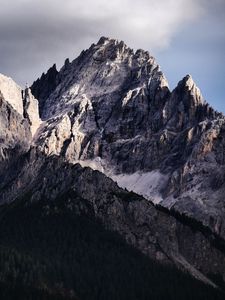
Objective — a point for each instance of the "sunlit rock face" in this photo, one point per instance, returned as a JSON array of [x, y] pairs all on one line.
[[11, 93], [107, 97], [31, 110], [22, 101]]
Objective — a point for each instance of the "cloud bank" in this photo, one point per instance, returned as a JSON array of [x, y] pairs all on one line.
[[35, 34], [186, 36]]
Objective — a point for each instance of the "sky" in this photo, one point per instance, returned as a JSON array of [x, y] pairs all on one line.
[[185, 36]]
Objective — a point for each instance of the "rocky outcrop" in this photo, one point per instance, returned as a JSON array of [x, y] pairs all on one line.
[[186, 107], [11, 92], [21, 101], [30, 110]]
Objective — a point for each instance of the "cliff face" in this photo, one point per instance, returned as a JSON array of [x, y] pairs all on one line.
[[15, 134], [12, 92], [30, 110], [19, 120], [22, 102], [44, 86], [111, 110]]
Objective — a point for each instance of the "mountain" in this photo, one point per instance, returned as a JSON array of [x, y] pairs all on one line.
[[103, 142], [112, 110]]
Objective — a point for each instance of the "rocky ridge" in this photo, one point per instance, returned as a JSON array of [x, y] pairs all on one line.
[[152, 230], [112, 110]]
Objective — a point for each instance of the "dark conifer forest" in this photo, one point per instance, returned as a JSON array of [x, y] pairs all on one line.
[[48, 252]]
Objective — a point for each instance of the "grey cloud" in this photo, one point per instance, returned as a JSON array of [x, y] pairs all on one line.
[[35, 34]]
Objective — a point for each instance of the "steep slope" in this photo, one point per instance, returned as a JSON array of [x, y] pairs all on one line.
[[19, 120], [47, 251], [11, 92], [31, 110], [44, 86], [54, 183], [15, 136], [22, 101], [111, 109]]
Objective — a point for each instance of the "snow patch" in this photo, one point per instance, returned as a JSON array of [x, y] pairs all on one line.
[[95, 164], [147, 184]]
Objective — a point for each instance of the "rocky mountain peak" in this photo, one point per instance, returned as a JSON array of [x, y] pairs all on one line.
[[188, 84], [188, 80], [186, 107], [111, 109], [103, 40], [110, 42], [110, 49], [106, 68]]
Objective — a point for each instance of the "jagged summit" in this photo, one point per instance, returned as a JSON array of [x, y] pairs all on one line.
[[103, 40], [105, 68], [116, 63], [188, 78], [188, 83], [112, 42]]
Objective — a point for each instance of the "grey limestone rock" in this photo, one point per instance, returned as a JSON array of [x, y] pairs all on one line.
[[111, 109]]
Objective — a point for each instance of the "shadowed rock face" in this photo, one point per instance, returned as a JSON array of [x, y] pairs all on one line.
[[111, 109], [156, 232], [44, 86], [15, 136]]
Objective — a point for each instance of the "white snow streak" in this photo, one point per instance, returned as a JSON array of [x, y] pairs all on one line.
[[146, 184]]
